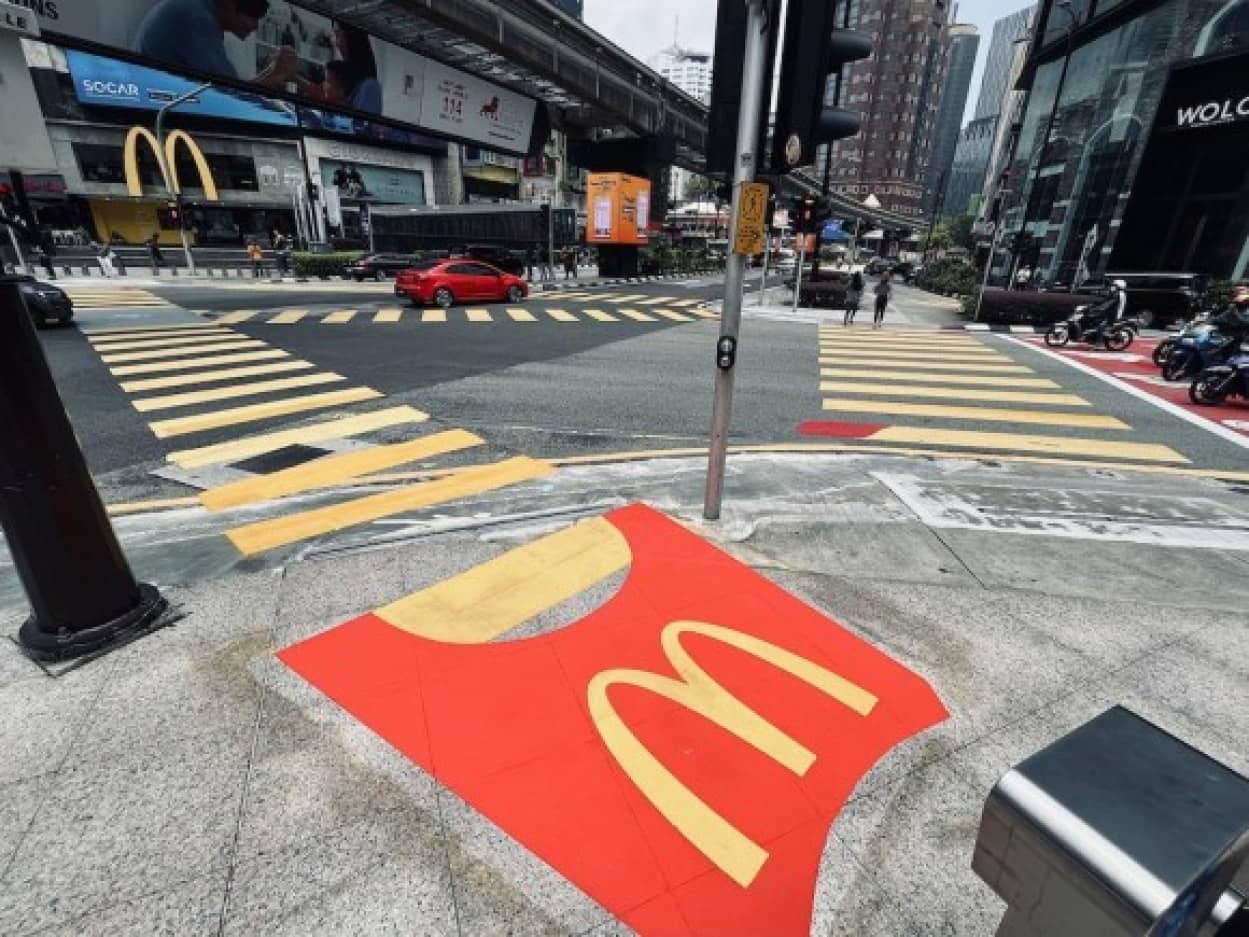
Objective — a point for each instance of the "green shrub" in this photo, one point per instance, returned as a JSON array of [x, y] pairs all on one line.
[[323, 265], [949, 278]]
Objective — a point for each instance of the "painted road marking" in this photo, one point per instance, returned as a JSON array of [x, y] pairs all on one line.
[[340, 428], [628, 815], [952, 393], [657, 301], [239, 315], [187, 364], [234, 344], [153, 343], [915, 345], [636, 316], [479, 315], [289, 317], [111, 340], [974, 380], [522, 315], [560, 315], [154, 329], [267, 535], [598, 315], [388, 315], [494, 598], [943, 412], [214, 377], [334, 469], [1055, 445], [341, 317], [631, 298], [703, 313], [682, 303], [255, 389], [105, 298], [261, 411], [670, 314], [434, 315], [971, 357], [882, 362]]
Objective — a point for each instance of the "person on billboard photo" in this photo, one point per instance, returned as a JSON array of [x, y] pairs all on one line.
[[190, 34], [350, 78]]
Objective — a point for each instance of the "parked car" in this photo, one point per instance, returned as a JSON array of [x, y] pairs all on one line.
[[48, 304], [499, 257], [1158, 300], [378, 266], [447, 282]]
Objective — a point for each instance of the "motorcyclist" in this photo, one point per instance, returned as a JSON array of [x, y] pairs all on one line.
[[1233, 321], [1109, 311]]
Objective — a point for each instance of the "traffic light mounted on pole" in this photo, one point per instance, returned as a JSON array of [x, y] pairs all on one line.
[[814, 49]]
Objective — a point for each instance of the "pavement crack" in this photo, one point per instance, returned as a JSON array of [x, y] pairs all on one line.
[[242, 811]]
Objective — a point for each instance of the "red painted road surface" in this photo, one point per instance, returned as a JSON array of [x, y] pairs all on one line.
[[507, 726]]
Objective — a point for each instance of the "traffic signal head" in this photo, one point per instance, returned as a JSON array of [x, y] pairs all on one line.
[[814, 49]]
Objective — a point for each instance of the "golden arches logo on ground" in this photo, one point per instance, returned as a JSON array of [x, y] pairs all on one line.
[[679, 753], [166, 161]]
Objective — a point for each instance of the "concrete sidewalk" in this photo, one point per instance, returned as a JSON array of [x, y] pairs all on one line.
[[191, 784], [910, 307]]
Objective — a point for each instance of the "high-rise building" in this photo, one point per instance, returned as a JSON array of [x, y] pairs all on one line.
[[964, 44], [996, 82], [898, 92], [966, 176], [572, 7], [691, 72]]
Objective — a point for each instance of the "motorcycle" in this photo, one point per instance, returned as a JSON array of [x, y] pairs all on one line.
[[1199, 348], [1083, 328], [1168, 344], [1214, 385]]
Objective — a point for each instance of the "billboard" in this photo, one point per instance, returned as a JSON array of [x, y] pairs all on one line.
[[617, 208], [381, 184], [274, 47]]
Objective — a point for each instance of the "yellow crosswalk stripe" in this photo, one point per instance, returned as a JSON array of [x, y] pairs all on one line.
[[147, 343], [972, 380], [632, 297], [670, 314], [559, 315], [270, 534], [340, 428], [388, 315], [575, 295], [522, 315], [1051, 445], [164, 429], [657, 301], [951, 393], [234, 344], [156, 329], [978, 414], [598, 315], [636, 316], [239, 315], [961, 354], [108, 341], [341, 317], [188, 364], [492, 599], [334, 469], [479, 315], [289, 317], [930, 365], [214, 377], [703, 313], [193, 397], [682, 303], [434, 315], [901, 342]]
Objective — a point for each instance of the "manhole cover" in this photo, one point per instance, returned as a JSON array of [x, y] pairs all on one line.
[[279, 459]]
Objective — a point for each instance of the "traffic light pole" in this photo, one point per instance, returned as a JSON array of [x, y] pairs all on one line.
[[754, 80], [82, 594]]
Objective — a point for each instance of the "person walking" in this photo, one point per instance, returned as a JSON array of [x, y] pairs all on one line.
[[570, 263], [531, 258], [107, 258], [282, 249], [47, 252], [153, 250], [256, 254], [854, 296], [544, 261], [884, 292]]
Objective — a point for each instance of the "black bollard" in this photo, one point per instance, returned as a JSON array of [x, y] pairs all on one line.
[[82, 594]]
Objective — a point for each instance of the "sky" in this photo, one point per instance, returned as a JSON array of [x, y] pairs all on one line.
[[643, 27]]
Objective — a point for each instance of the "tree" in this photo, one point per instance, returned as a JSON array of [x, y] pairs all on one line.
[[960, 231], [700, 188]]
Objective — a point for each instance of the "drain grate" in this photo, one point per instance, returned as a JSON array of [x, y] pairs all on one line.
[[279, 459]]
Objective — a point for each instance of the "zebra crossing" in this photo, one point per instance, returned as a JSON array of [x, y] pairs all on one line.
[[954, 392], [188, 381], [605, 308], [87, 298]]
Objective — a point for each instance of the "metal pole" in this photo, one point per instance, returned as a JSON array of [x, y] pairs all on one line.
[[753, 82], [988, 268], [172, 176], [802, 256], [550, 238], [767, 258], [82, 593]]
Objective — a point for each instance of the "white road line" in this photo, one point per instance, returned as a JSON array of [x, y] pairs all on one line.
[[1174, 409]]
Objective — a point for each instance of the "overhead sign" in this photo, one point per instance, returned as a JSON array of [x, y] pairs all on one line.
[[1206, 94], [166, 161], [617, 208], [678, 754], [18, 19], [752, 219], [294, 53]]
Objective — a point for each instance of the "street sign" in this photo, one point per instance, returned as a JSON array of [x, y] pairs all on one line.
[[17, 19], [750, 224]]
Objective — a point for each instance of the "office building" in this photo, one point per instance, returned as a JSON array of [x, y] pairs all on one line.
[[964, 44], [691, 72], [967, 172], [996, 82]]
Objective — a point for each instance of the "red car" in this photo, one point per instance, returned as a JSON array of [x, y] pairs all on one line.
[[447, 282]]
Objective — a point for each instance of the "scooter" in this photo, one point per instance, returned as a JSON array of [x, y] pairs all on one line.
[[1214, 385], [1082, 328], [1199, 348], [1168, 344]]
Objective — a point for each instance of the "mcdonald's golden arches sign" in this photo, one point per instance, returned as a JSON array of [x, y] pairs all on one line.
[[166, 161]]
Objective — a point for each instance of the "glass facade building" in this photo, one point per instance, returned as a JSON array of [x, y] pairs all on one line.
[[964, 43], [1106, 175]]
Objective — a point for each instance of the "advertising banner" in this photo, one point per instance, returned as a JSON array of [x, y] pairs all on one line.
[[378, 184], [618, 208], [1203, 94], [279, 48]]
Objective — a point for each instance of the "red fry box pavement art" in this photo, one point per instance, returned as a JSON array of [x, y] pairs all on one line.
[[679, 754]]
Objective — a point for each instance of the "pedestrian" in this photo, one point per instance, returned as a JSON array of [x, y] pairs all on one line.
[[1023, 277], [282, 248], [153, 249], [531, 257], [544, 261], [47, 251], [854, 296], [884, 291], [570, 264], [107, 258], [256, 254]]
